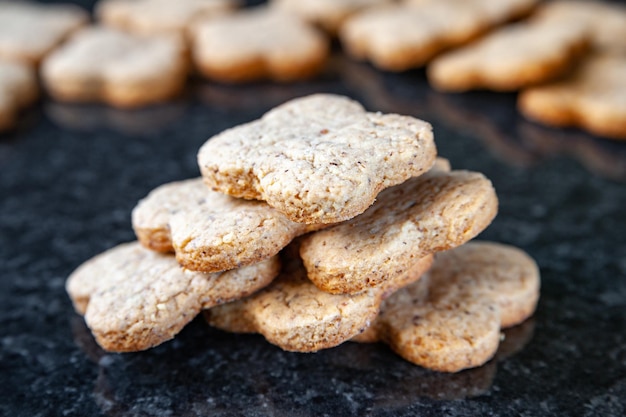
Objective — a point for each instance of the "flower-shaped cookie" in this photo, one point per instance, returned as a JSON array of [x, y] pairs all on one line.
[[511, 58], [134, 298], [451, 318], [593, 98], [318, 159], [29, 31], [258, 43], [159, 16], [210, 231], [121, 69], [427, 214], [408, 35], [295, 315]]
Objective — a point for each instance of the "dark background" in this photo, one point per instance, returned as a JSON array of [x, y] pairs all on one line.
[[70, 175]]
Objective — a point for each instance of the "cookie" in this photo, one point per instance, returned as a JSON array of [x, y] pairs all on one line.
[[427, 214], [210, 231], [159, 16], [117, 68], [592, 98], [134, 298], [29, 31], [409, 35], [450, 319], [605, 22], [258, 43], [326, 14], [297, 316], [18, 89], [511, 58], [317, 159]]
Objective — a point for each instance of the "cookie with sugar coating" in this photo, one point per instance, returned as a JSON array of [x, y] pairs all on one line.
[[159, 16], [297, 316], [434, 212], [511, 58], [18, 89], [258, 43], [450, 319], [317, 159], [115, 67], [591, 98], [134, 298], [211, 231], [409, 35], [326, 14], [29, 31]]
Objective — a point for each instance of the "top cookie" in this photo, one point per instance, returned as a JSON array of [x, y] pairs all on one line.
[[28, 31], [159, 16], [318, 159]]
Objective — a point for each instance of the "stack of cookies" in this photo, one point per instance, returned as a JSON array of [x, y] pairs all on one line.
[[317, 224]]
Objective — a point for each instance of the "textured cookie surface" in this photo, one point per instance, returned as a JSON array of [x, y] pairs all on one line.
[[511, 58], [29, 31], [451, 319], [295, 315], [134, 298], [258, 43], [409, 35], [327, 14], [427, 214], [159, 16], [592, 98], [18, 88], [318, 159], [210, 231], [102, 64], [605, 22]]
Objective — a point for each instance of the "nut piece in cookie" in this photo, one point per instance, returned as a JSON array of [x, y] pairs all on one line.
[[120, 69], [258, 43], [511, 58], [29, 31], [326, 14], [210, 231], [450, 320], [295, 315], [427, 214], [318, 159], [592, 98], [159, 16], [409, 35], [18, 89], [134, 298], [605, 22]]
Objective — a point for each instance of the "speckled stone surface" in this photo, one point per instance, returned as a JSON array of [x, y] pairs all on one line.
[[70, 176]]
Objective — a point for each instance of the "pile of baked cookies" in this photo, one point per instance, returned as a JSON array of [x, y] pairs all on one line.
[[568, 58], [317, 224]]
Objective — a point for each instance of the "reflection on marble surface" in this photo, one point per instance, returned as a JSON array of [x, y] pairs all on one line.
[[602, 157], [94, 117], [260, 96], [499, 136], [216, 373]]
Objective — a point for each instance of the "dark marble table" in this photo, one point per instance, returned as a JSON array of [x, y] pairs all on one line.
[[70, 175]]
